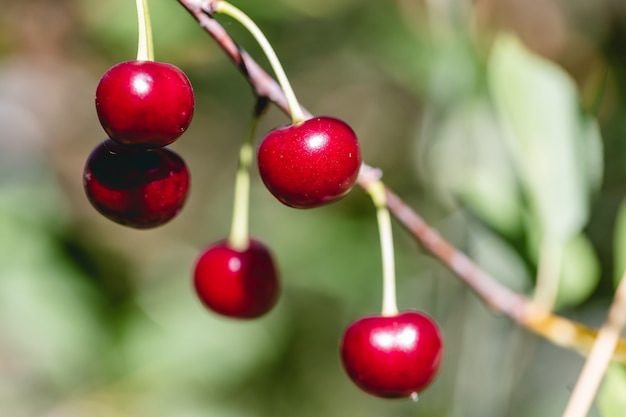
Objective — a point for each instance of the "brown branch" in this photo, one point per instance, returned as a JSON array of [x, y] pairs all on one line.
[[496, 296], [261, 82]]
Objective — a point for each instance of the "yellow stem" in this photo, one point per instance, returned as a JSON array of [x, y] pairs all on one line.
[[567, 334]]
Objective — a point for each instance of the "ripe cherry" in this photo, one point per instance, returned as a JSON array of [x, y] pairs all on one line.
[[237, 283], [144, 103], [136, 188], [392, 356], [310, 163]]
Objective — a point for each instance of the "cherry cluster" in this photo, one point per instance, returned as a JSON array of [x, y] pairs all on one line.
[[133, 179], [303, 165]]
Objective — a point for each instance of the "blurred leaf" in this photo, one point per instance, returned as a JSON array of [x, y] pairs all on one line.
[[498, 258], [315, 8], [580, 272], [580, 269], [47, 314], [466, 155], [395, 48], [590, 152], [620, 244], [326, 252], [114, 24], [177, 342], [612, 395], [447, 84], [556, 151]]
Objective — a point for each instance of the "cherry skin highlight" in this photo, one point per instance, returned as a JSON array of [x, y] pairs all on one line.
[[144, 103], [392, 356], [237, 283], [136, 188], [311, 163]]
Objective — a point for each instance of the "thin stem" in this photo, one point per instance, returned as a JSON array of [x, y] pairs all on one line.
[[228, 9], [600, 356], [145, 49], [548, 274], [376, 190], [238, 238]]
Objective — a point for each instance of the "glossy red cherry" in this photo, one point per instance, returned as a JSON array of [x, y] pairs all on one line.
[[311, 163], [144, 103], [234, 283], [136, 188], [392, 357]]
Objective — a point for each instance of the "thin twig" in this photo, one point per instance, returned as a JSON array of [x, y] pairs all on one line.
[[548, 273], [600, 356], [496, 296], [261, 82]]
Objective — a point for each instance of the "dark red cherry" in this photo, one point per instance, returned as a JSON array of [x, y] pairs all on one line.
[[392, 357], [311, 163], [133, 187], [237, 283], [144, 103]]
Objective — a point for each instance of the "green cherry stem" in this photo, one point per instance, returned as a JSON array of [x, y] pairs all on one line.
[[145, 49], [238, 238], [297, 115], [376, 190]]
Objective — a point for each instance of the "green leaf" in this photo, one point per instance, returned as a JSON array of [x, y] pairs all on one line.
[[46, 307], [612, 395], [466, 156], [176, 341], [580, 272], [620, 244], [555, 148], [496, 256]]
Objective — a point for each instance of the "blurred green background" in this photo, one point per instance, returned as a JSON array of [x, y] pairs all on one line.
[[501, 121]]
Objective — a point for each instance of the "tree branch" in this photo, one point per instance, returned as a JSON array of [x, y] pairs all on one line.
[[496, 296]]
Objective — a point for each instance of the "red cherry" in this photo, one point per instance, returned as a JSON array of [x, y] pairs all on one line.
[[144, 103], [234, 283], [392, 357], [136, 188], [311, 163]]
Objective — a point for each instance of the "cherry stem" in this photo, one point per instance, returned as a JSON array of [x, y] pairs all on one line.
[[297, 115], [145, 49], [376, 190], [238, 238]]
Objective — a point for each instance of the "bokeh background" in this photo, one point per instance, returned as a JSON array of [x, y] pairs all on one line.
[[501, 121]]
